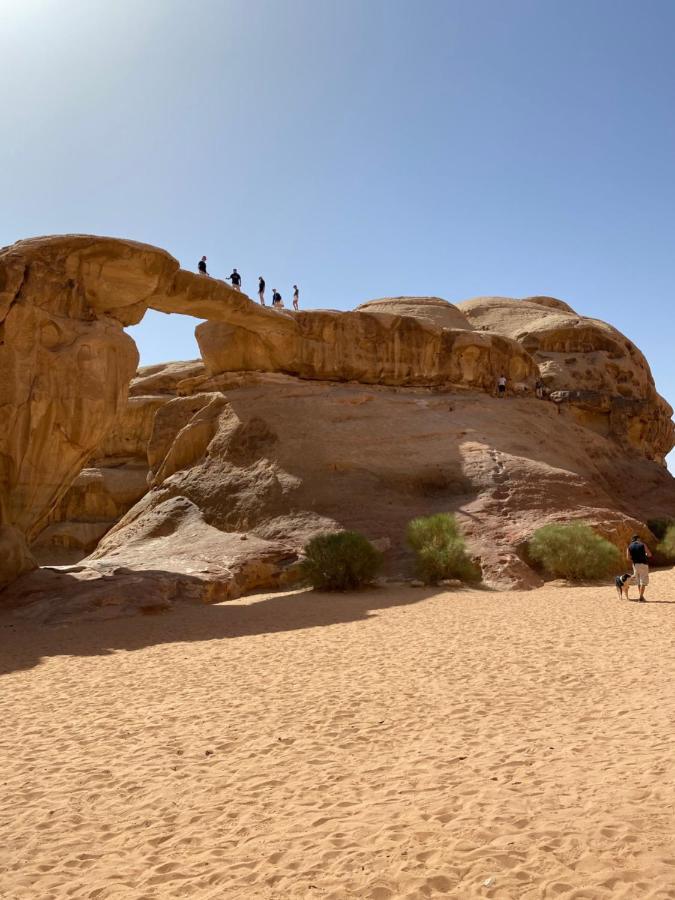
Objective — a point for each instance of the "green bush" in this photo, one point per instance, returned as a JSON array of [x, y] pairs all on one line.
[[659, 527], [574, 552], [439, 549], [666, 546], [340, 561]]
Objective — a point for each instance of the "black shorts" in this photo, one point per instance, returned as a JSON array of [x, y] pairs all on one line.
[[501, 388]]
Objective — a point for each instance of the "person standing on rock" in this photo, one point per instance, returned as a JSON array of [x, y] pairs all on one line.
[[201, 266], [501, 386], [296, 297], [235, 278], [639, 554], [261, 290]]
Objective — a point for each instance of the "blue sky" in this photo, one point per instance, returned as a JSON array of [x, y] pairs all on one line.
[[359, 147]]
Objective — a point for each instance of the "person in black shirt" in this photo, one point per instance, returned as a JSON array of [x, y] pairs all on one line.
[[201, 266], [639, 554], [296, 296], [261, 290], [235, 278], [276, 299]]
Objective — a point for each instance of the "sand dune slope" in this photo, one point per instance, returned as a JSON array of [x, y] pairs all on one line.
[[388, 744]]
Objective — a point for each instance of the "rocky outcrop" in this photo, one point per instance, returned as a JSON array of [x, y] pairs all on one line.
[[208, 480], [587, 364], [369, 347], [245, 475], [66, 363], [64, 374], [116, 476], [433, 310]]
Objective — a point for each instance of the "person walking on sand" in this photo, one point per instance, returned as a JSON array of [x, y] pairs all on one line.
[[638, 553], [501, 386], [201, 266], [539, 388], [261, 290], [235, 278]]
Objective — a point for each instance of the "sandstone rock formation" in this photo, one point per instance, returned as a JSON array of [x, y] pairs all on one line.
[[64, 373], [369, 347], [210, 478], [66, 363], [256, 469], [116, 476], [586, 363], [433, 310]]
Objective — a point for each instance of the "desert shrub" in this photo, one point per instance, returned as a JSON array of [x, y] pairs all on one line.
[[574, 552], [666, 546], [439, 549], [340, 561], [659, 527]]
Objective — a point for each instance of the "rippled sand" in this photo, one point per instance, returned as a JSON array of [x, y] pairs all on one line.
[[391, 743]]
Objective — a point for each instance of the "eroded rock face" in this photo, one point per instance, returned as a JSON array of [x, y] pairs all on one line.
[[64, 373], [434, 310], [295, 424], [587, 364], [369, 347], [66, 363], [116, 476], [277, 459]]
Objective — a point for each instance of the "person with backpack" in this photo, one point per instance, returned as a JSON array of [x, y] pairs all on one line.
[[638, 553], [235, 278], [261, 290], [201, 266]]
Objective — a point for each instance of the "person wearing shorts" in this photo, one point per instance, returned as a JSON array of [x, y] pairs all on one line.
[[501, 386], [639, 554]]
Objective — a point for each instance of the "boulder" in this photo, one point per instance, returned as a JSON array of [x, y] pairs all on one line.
[[434, 310]]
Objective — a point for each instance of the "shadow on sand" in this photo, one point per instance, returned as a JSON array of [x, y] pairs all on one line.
[[23, 644]]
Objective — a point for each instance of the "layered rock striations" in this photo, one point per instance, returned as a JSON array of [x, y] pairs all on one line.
[[208, 477]]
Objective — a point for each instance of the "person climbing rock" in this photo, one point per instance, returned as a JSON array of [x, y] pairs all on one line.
[[261, 290], [201, 266], [296, 297], [235, 278]]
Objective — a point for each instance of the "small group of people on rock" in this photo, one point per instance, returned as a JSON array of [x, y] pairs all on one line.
[[539, 388], [277, 301], [639, 554], [235, 279]]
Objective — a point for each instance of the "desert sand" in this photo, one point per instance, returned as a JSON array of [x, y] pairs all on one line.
[[398, 742]]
